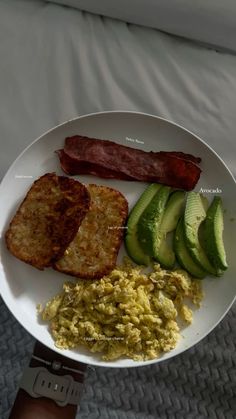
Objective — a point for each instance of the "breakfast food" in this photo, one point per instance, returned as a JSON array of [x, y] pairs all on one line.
[[107, 159], [194, 215], [127, 313], [213, 234], [132, 244], [162, 251], [150, 224], [93, 252], [183, 255], [47, 220], [168, 226], [150, 221], [120, 311]]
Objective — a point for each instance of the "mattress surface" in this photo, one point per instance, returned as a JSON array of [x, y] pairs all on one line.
[[57, 63]]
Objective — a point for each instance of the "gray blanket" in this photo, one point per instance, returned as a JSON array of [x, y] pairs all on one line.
[[200, 383]]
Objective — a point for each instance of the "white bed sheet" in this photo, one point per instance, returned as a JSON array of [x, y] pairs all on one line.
[[209, 21], [57, 63]]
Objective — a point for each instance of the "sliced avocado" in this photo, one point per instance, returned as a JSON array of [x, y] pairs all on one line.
[[213, 234], [132, 245], [150, 221], [205, 202], [194, 215], [173, 211], [183, 256]]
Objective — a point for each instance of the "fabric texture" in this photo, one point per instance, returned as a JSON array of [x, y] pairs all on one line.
[[209, 21], [58, 63], [198, 384]]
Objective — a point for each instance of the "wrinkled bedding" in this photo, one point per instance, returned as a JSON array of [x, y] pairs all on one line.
[[57, 63]]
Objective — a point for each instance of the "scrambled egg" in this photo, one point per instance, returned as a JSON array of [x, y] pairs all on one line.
[[126, 313]]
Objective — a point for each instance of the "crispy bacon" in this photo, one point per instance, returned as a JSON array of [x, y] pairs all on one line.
[[184, 156], [107, 159]]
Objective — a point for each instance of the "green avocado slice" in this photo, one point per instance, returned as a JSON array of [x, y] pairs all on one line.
[[182, 254], [213, 234], [194, 215], [132, 245], [164, 253], [150, 221]]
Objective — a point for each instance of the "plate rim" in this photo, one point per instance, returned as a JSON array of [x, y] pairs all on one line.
[[69, 354]]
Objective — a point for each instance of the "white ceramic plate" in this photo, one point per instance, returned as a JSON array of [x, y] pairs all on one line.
[[23, 287]]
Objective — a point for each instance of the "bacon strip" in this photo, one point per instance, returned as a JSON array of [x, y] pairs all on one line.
[[184, 156], [107, 159]]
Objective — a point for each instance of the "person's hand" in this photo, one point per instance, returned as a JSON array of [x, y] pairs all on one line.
[[28, 407]]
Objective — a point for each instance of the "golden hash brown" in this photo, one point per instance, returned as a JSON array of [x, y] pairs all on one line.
[[94, 250], [47, 220]]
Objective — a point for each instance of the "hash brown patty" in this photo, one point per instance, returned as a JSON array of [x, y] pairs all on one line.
[[93, 252], [47, 220]]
